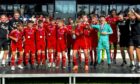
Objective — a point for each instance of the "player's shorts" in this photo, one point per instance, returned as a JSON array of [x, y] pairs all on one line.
[[4, 44], [61, 45], [124, 41], [51, 43], [82, 43], [135, 41], [76, 45], [113, 38], [15, 47], [41, 46], [30, 48], [93, 43]]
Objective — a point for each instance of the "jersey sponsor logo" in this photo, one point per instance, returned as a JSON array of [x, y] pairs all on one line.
[[4, 26], [132, 22], [122, 23]]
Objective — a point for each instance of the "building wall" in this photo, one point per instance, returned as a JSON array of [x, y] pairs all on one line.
[[64, 7]]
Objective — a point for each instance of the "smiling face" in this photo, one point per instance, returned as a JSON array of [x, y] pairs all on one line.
[[60, 24], [16, 15], [85, 18], [53, 22], [114, 13], [30, 25], [20, 27], [94, 19], [41, 24], [70, 20], [131, 16], [78, 22], [121, 17], [3, 18], [102, 20]]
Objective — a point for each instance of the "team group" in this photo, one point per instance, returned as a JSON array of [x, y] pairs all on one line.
[[45, 38]]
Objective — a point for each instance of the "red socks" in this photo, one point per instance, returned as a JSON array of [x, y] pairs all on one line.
[[13, 61], [75, 61]]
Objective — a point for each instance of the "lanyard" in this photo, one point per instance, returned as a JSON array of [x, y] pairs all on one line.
[[17, 34], [61, 31], [102, 27], [51, 28], [30, 31], [40, 30]]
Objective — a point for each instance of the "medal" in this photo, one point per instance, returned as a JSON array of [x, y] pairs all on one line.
[[40, 36], [30, 32], [74, 36], [49, 34], [102, 27], [28, 36], [60, 38], [40, 32]]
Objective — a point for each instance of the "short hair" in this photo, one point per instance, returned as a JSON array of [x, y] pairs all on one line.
[[40, 21], [3, 15], [113, 10], [102, 16], [122, 14], [95, 15], [85, 15], [61, 21], [130, 13], [16, 12], [19, 24], [137, 10], [30, 21]]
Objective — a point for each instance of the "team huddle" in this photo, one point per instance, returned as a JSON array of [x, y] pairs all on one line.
[[42, 38]]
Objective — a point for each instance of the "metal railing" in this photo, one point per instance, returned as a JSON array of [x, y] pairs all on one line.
[[72, 76]]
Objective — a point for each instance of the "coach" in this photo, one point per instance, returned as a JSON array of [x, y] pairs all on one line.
[[134, 42]]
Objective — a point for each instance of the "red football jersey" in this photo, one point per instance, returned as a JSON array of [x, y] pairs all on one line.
[[16, 34], [45, 24], [51, 31], [40, 35], [29, 34], [69, 27], [112, 21], [61, 33], [86, 30], [94, 32], [79, 30]]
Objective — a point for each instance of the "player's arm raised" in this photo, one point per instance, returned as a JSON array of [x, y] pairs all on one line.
[[136, 14]]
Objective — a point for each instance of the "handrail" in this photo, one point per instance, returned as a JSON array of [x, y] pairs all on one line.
[[126, 75]]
